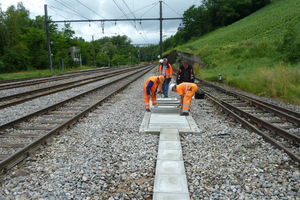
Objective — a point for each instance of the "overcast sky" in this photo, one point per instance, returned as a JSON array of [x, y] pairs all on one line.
[[109, 10]]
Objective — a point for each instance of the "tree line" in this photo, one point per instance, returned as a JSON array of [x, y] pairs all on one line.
[[211, 15], [23, 44]]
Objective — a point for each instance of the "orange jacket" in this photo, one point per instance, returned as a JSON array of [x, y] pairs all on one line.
[[169, 70], [184, 87], [155, 84]]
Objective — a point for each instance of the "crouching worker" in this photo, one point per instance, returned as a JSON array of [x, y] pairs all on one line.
[[150, 87], [186, 92]]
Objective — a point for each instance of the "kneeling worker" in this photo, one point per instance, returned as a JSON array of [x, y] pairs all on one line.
[[150, 87], [186, 92]]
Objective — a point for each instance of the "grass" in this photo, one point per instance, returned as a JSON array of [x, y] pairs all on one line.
[[39, 73], [246, 53]]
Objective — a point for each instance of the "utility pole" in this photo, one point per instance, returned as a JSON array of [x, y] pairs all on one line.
[[160, 21], [93, 50], [48, 37]]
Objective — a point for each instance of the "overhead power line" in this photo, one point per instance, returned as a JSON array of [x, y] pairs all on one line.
[[149, 9], [128, 18], [173, 9], [69, 7], [57, 12], [140, 22], [98, 15], [140, 9]]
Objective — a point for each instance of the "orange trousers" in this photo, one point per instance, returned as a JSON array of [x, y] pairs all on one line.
[[188, 98], [147, 100]]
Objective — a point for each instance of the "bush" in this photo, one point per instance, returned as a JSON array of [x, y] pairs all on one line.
[[2, 67], [290, 46]]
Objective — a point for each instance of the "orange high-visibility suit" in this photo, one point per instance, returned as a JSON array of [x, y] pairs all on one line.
[[169, 72], [152, 91], [188, 90]]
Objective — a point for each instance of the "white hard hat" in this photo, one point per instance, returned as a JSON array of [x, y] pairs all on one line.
[[161, 60], [171, 86]]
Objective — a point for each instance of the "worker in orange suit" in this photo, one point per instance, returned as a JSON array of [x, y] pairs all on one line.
[[186, 92], [150, 87], [165, 70]]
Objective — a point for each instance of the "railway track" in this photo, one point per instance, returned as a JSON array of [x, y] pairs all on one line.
[[39, 77], [19, 138], [278, 125], [29, 82], [22, 97]]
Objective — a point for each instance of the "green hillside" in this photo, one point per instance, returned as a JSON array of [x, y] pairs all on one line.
[[259, 53]]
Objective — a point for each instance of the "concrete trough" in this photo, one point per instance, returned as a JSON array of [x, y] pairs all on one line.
[[167, 116]]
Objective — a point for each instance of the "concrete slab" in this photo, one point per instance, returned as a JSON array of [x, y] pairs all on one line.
[[170, 183], [169, 145], [169, 131], [175, 155], [169, 137], [168, 196], [167, 167], [168, 125], [166, 109], [167, 118]]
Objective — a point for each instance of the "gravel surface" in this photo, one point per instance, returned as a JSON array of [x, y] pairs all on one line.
[[102, 157], [14, 112]]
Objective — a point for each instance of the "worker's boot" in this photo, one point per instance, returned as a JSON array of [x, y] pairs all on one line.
[[148, 110]]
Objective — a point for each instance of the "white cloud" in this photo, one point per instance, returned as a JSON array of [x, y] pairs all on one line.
[[109, 10]]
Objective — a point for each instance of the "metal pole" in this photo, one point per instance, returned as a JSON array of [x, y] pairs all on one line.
[[108, 61], [62, 64], [160, 21], [93, 50], [118, 53], [80, 61], [48, 38]]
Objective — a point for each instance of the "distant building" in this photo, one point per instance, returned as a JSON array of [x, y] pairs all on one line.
[[74, 53]]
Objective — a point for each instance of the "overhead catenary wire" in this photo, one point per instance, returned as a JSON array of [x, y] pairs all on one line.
[[57, 12], [69, 7], [173, 9], [128, 18], [98, 14], [149, 9], [139, 9], [63, 10], [147, 40]]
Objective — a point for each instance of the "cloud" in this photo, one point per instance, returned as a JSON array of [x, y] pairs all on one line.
[[147, 31]]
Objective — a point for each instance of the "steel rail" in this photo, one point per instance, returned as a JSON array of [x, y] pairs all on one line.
[[259, 102], [46, 76], [18, 156], [95, 79]]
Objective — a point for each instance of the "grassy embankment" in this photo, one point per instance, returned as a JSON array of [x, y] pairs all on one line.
[[39, 73], [247, 53]]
